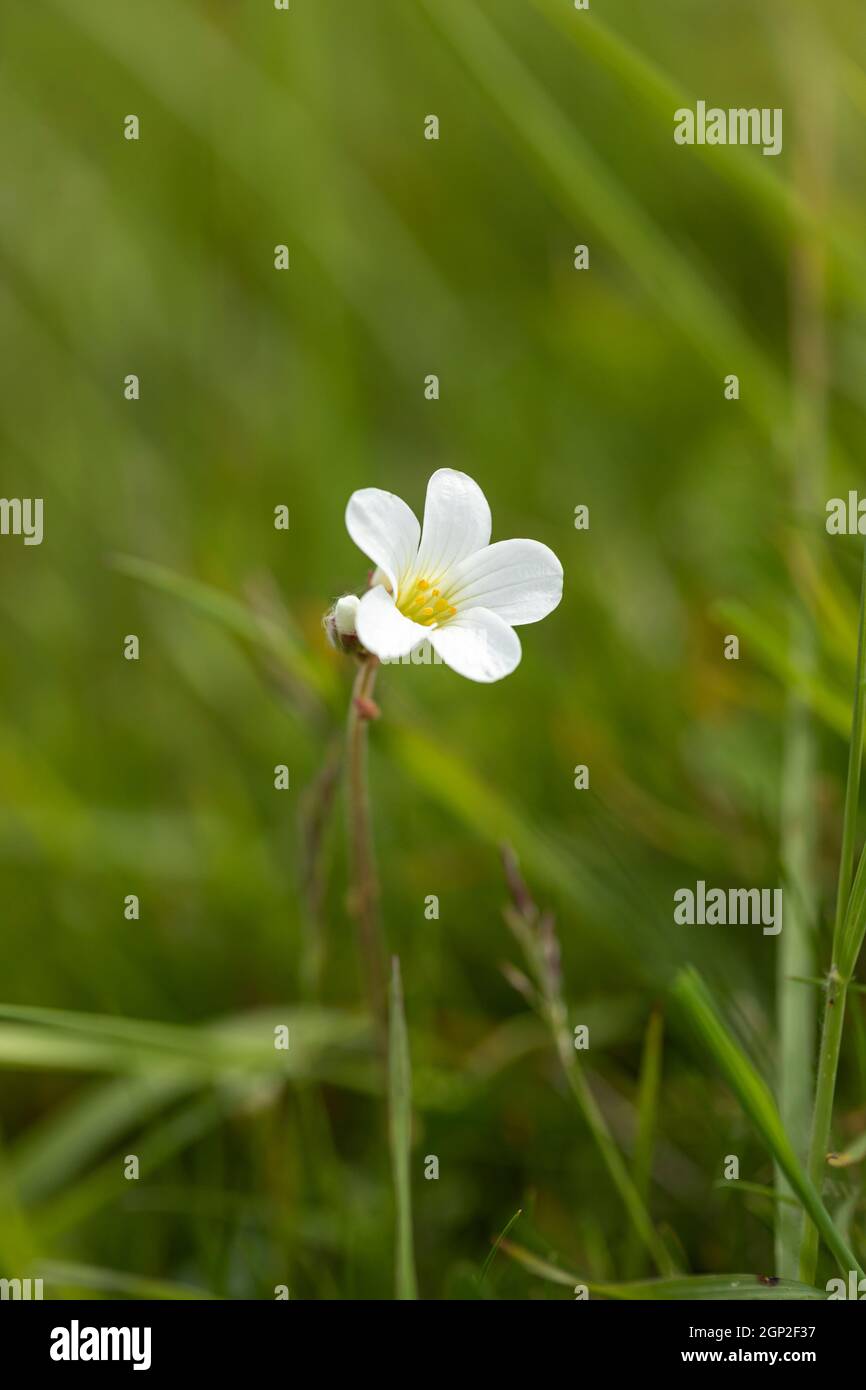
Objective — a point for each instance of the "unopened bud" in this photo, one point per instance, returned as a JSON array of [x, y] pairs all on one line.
[[340, 623], [345, 610]]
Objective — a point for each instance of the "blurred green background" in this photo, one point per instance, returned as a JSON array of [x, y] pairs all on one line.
[[558, 387]]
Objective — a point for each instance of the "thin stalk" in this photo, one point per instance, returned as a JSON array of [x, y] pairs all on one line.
[[855, 764], [496, 1244], [364, 896], [840, 969]]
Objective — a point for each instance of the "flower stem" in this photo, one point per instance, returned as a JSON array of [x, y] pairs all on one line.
[[364, 897], [840, 969]]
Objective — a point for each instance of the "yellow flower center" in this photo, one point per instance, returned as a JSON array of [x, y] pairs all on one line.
[[424, 604]]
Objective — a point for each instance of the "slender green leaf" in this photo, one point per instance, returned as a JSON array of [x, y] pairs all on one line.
[[112, 1281], [496, 1244], [754, 1095], [585, 186], [259, 629], [647, 1118], [722, 1287]]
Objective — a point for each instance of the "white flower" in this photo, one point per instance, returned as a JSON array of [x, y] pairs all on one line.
[[448, 585]]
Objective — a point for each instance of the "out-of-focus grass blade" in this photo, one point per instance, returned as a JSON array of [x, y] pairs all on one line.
[[491, 1256], [88, 1278], [844, 1213], [18, 1246], [661, 94], [57, 1038], [256, 628], [826, 594], [722, 1287], [854, 925], [400, 1125], [581, 183], [647, 1117], [182, 77], [769, 643], [756, 1189], [537, 1265], [52, 1152], [498, 820], [29, 1048], [77, 1203], [693, 997]]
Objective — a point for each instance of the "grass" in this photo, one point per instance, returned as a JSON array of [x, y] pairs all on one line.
[[262, 1168]]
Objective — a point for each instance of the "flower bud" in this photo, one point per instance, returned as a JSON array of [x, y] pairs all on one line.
[[345, 610], [339, 623]]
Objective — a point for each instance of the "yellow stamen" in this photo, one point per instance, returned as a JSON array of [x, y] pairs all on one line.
[[424, 604]]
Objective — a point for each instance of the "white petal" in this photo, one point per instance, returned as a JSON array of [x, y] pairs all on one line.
[[381, 524], [456, 522], [520, 580], [382, 628], [478, 644]]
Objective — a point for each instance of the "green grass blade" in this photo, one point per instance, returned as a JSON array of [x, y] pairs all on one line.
[[777, 198], [80, 1200], [754, 1095], [51, 1153], [275, 638], [647, 1118], [848, 930], [737, 1288], [584, 186], [763, 638], [496, 1244], [46, 1038], [498, 819], [18, 1247], [743, 1188], [112, 1281], [854, 924], [400, 1124]]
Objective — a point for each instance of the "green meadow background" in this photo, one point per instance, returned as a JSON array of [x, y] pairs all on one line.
[[558, 388]]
